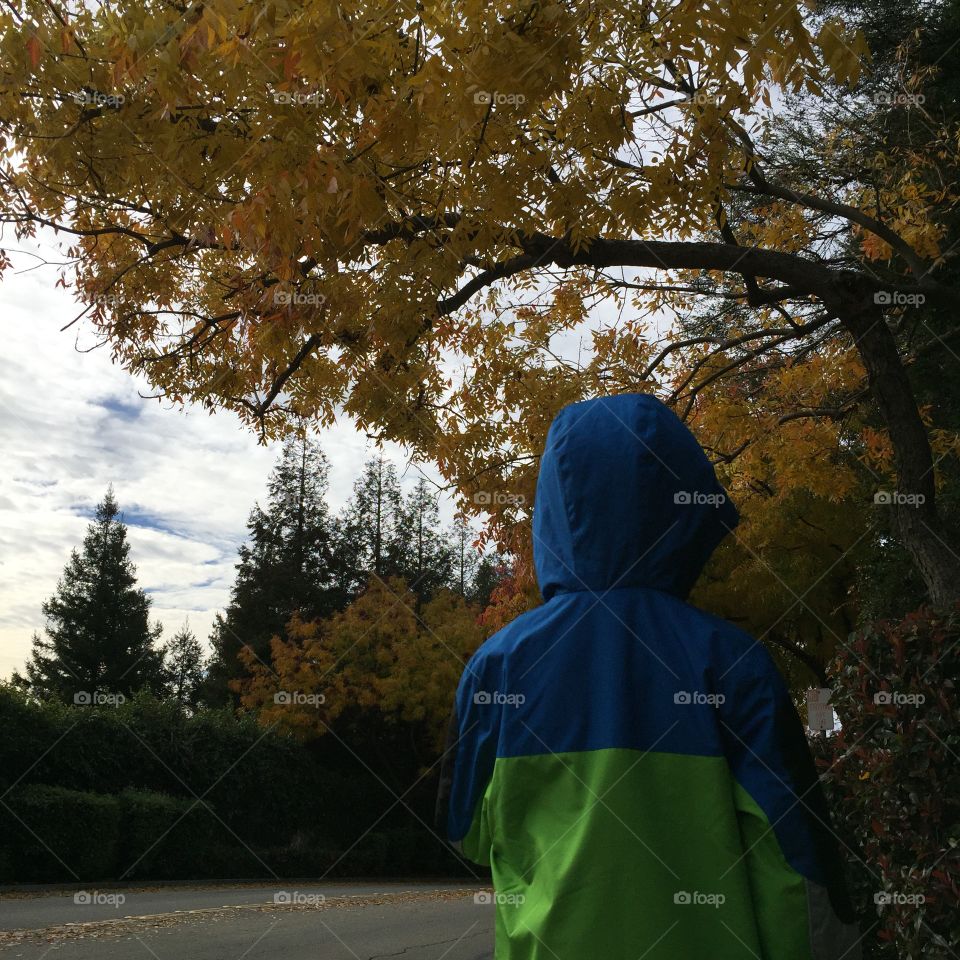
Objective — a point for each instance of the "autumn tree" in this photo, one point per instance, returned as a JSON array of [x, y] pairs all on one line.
[[902, 147], [98, 639], [377, 667], [794, 428], [292, 229]]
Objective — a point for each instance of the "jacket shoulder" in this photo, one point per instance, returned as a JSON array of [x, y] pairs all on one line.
[[731, 647], [501, 644]]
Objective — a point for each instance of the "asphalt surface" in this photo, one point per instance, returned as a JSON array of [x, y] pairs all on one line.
[[47, 909], [320, 922]]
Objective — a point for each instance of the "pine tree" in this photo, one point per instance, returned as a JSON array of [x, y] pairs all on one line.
[[184, 667], [287, 565], [374, 528], [476, 574], [466, 557], [429, 553], [491, 571], [98, 637]]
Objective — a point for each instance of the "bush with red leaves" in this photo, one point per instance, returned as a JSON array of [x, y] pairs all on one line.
[[892, 775]]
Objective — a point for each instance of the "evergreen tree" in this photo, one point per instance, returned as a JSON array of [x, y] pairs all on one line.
[[491, 571], [466, 557], [287, 565], [98, 637], [476, 574], [184, 667], [430, 554], [374, 528]]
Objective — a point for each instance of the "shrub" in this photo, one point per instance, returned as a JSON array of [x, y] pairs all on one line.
[[164, 837], [893, 778], [58, 834], [6, 861], [270, 803]]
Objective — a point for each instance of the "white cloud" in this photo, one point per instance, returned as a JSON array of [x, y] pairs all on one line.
[[72, 423]]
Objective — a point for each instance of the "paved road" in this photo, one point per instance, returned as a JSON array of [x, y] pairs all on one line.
[[50, 908], [372, 921]]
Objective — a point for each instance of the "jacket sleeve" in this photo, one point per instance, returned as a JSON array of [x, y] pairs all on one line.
[[467, 768], [790, 851]]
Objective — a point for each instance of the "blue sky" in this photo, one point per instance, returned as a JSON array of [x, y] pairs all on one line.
[[72, 423]]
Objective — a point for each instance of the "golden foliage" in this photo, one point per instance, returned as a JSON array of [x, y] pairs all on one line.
[[379, 654]]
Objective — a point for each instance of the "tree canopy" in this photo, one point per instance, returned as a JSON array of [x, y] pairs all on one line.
[[291, 228]]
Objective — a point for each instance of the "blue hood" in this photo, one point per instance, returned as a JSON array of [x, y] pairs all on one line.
[[626, 497]]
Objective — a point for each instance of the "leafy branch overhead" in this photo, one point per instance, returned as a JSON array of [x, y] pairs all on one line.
[[397, 211]]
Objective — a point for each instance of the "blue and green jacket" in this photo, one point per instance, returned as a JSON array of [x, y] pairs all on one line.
[[632, 769]]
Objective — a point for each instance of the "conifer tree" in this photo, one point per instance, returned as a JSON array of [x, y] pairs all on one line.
[[286, 565], [184, 667], [98, 639], [466, 557], [374, 529], [491, 571], [430, 554]]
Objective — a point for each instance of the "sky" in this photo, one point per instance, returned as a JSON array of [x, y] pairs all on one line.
[[72, 422]]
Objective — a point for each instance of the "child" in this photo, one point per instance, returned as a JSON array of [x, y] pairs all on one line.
[[632, 769]]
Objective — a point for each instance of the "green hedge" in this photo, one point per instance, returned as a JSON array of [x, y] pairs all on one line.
[[171, 838], [153, 745], [52, 833], [145, 791]]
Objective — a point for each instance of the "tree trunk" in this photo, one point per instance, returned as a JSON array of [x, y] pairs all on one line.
[[914, 502]]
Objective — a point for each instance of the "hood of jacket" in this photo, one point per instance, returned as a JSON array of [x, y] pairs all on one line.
[[625, 497]]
